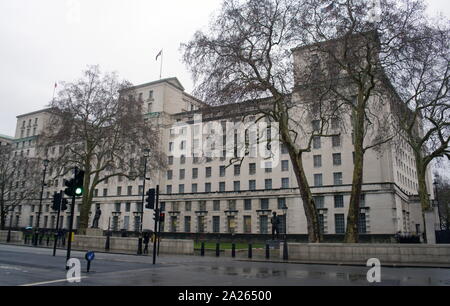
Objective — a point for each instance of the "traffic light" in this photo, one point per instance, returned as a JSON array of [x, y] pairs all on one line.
[[150, 200], [56, 201], [156, 215], [162, 217], [64, 204], [69, 191], [78, 183]]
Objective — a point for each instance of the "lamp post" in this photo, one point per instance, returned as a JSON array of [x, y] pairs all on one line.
[[440, 212], [38, 219], [146, 155], [285, 245], [8, 238]]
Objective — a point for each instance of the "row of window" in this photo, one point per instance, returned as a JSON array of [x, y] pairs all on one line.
[[268, 184], [339, 223], [338, 201]]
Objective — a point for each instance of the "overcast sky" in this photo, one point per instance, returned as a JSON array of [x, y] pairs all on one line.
[[53, 40]]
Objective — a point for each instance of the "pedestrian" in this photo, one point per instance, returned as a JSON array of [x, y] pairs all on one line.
[[146, 242]]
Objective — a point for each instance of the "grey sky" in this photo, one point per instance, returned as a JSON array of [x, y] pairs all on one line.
[[52, 40]]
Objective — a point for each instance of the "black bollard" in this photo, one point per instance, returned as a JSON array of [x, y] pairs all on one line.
[[250, 249], [233, 250], [267, 251], [107, 243], [41, 237], [202, 249], [285, 251], [217, 249]]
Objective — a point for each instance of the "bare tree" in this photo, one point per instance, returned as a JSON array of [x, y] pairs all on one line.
[[421, 78], [19, 181], [99, 126], [368, 41], [246, 56]]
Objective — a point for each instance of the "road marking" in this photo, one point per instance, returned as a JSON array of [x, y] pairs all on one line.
[[49, 282]]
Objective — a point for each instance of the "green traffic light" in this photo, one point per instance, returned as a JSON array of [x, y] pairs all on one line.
[[79, 191]]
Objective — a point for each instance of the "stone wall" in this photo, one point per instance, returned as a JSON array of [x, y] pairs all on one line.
[[400, 254], [129, 245], [16, 237]]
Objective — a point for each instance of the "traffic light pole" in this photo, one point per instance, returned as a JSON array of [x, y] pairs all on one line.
[[156, 224], [69, 243], [57, 223], [139, 252]]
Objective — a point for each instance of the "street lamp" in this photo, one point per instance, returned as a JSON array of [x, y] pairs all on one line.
[[441, 219], [146, 156], [46, 163]]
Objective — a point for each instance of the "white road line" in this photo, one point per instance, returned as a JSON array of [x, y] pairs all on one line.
[[49, 282]]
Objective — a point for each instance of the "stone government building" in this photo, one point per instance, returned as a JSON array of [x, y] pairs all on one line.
[[202, 195]]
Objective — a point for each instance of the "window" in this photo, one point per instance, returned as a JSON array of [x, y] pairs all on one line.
[[182, 174], [339, 223], [268, 184], [321, 223], [181, 188], [170, 160], [281, 203], [284, 149], [362, 228], [182, 159], [216, 205], [170, 146], [285, 183], [338, 201], [150, 95], [117, 207], [317, 144], [247, 204], [336, 141], [337, 161], [216, 224], [318, 180], [187, 224], [317, 161], [207, 187], [237, 170], [284, 165], [320, 201], [188, 205], [237, 186], [119, 191], [335, 123], [208, 171], [222, 171], [127, 207], [202, 205], [362, 201], [130, 190], [268, 167], [264, 204], [194, 173], [169, 174], [252, 168], [105, 192], [149, 107], [316, 125], [169, 189], [252, 185], [194, 188], [337, 178], [222, 186]]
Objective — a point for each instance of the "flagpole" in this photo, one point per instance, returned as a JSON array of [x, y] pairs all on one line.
[[160, 70], [54, 89]]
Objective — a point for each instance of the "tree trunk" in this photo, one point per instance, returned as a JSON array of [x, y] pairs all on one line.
[[351, 234], [87, 202], [2, 210], [424, 197], [312, 219]]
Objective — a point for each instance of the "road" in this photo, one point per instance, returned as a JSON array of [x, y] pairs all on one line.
[[28, 266]]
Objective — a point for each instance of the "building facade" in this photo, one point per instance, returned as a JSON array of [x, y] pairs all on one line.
[[207, 194]]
